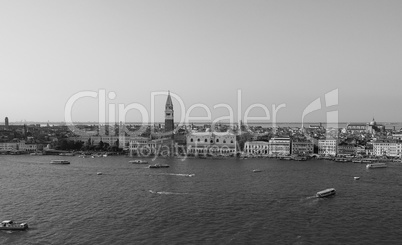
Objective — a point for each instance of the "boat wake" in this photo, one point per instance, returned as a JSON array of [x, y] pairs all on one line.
[[167, 193], [185, 175], [310, 197]]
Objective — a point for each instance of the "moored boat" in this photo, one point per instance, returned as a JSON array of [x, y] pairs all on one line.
[[326, 192], [138, 161], [257, 170], [11, 225], [159, 166], [376, 165], [60, 162], [67, 154]]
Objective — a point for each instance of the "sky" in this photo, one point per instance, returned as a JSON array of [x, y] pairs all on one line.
[[247, 53]]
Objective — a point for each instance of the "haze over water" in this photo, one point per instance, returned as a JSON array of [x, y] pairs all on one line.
[[199, 201]]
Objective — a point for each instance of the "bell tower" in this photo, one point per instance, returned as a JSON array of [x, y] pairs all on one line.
[[169, 114]]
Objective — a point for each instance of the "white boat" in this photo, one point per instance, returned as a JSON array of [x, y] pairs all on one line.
[[256, 170], [67, 154], [11, 225], [356, 178], [99, 173], [60, 162], [376, 165], [326, 192], [138, 162]]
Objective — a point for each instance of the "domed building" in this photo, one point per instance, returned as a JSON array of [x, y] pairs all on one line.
[[371, 127]]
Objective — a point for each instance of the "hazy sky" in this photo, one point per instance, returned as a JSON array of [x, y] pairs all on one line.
[[274, 52]]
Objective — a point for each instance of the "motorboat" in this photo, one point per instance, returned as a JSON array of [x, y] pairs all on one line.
[[36, 154], [326, 193], [376, 165], [67, 154], [138, 161], [99, 173], [159, 166], [60, 162], [356, 178], [11, 225], [257, 170]]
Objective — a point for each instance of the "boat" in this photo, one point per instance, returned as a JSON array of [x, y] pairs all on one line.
[[138, 161], [159, 166], [326, 192], [36, 154], [376, 165], [299, 158], [67, 154], [60, 162], [11, 225], [99, 173], [256, 170], [356, 178], [357, 161], [367, 160]]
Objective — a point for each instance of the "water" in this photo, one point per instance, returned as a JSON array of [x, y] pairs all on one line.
[[198, 201]]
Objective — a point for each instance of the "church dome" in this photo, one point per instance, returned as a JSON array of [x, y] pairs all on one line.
[[373, 123]]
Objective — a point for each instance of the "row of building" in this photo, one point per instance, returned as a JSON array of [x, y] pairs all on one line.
[[325, 147], [19, 146], [218, 143]]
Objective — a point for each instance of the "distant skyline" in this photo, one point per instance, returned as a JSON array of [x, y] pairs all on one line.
[[274, 52]]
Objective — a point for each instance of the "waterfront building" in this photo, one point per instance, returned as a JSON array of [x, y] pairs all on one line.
[[279, 146], [386, 147], [18, 146], [111, 140], [399, 149], [327, 147], [211, 143], [141, 146], [169, 115], [302, 147], [360, 150], [346, 149], [27, 147], [9, 146], [256, 148], [369, 149]]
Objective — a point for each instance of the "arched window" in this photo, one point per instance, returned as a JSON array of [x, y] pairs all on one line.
[[224, 141], [231, 141], [217, 140], [211, 141], [205, 140], [198, 140], [191, 140]]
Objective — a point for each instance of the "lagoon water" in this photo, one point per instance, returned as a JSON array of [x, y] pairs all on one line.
[[199, 201]]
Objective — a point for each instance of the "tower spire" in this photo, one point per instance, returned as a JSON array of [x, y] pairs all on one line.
[[169, 114]]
